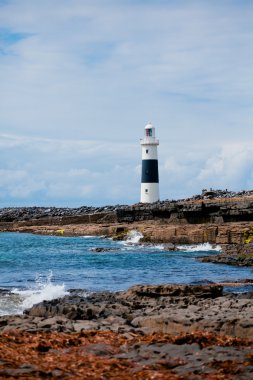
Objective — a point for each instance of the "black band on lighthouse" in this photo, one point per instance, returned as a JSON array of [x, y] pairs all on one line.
[[149, 171]]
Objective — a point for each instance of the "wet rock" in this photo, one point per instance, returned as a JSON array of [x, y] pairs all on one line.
[[103, 249], [170, 247], [154, 291], [233, 254]]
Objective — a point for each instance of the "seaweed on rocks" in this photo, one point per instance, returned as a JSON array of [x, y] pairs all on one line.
[[110, 355]]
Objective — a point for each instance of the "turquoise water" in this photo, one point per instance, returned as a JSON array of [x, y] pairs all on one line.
[[43, 267]]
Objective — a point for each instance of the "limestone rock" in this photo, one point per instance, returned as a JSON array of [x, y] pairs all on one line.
[[172, 309]]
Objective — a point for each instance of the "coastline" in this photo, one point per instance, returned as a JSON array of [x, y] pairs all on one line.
[[229, 236], [148, 332]]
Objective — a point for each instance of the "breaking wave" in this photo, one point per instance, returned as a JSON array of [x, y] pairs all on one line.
[[205, 247], [89, 237], [18, 300], [155, 246], [133, 237]]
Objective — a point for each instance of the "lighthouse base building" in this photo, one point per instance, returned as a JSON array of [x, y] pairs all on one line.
[[149, 176]]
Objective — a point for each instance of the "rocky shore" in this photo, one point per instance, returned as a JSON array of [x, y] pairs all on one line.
[[148, 332], [210, 206], [171, 309], [232, 254], [219, 217]]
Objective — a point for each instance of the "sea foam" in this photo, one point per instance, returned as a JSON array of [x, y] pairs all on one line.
[[43, 290], [133, 237], [205, 247]]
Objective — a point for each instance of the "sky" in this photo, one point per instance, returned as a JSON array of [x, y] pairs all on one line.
[[80, 79]]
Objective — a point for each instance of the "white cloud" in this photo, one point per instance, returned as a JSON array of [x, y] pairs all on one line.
[[228, 166], [66, 172], [18, 184], [85, 76], [231, 167]]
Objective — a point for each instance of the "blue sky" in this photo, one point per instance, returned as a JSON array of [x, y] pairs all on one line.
[[80, 79]]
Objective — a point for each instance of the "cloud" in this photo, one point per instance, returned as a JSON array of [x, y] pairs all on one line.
[[66, 172], [231, 167], [18, 184], [228, 166], [75, 172], [79, 80], [84, 57]]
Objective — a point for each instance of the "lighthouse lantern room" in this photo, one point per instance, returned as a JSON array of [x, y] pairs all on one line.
[[149, 177]]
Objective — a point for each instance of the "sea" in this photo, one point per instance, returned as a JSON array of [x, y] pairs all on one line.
[[34, 268]]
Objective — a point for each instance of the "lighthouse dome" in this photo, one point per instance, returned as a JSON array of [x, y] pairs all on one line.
[[149, 126], [149, 131]]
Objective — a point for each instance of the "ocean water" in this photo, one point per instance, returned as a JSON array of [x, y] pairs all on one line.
[[34, 267]]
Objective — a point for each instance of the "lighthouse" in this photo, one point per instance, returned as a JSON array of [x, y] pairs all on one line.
[[149, 177]]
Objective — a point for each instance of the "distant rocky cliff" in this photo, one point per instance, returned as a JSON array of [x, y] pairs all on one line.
[[215, 217], [190, 211], [212, 206]]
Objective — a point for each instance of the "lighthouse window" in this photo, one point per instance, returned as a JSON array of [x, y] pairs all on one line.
[[146, 190], [147, 151], [148, 132]]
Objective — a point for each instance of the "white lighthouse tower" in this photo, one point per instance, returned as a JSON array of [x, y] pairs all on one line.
[[149, 177]]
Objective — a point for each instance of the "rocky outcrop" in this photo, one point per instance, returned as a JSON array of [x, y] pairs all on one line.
[[222, 220], [218, 221], [191, 212], [153, 231], [235, 254], [197, 210], [25, 214], [157, 291], [102, 249], [172, 309], [226, 233]]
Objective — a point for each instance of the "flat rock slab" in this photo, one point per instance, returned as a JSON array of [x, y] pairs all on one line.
[[171, 309]]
